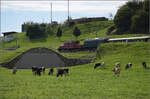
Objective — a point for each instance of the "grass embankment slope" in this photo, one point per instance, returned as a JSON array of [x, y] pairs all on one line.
[[84, 82]]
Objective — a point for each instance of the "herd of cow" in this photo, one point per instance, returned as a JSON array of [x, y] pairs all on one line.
[[60, 72], [116, 70]]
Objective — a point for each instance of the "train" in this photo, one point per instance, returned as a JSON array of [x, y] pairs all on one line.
[[92, 44], [88, 45]]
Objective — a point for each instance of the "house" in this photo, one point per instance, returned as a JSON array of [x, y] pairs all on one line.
[[8, 33], [8, 36]]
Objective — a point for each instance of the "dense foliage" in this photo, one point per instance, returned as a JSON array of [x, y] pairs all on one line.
[[133, 17], [76, 32], [59, 32], [37, 30]]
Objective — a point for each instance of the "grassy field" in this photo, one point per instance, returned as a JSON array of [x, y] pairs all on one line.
[[83, 81]]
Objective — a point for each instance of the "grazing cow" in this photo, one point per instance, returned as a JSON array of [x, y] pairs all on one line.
[[34, 70], [129, 65], [14, 70], [117, 64], [116, 70], [51, 70], [61, 72], [144, 64], [99, 64], [43, 70], [66, 72], [38, 71]]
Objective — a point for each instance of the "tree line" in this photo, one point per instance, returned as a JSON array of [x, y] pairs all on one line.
[[133, 17], [39, 30]]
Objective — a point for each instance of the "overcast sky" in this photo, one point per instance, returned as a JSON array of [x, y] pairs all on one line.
[[15, 13]]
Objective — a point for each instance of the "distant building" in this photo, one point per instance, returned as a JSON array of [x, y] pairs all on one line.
[[84, 20], [54, 23], [8, 33], [8, 36]]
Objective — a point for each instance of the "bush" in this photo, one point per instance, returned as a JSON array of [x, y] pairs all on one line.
[[49, 30], [140, 22], [76, 32], [132, 17], [59, 32], [35, 31], [110, 29], [122, 19]]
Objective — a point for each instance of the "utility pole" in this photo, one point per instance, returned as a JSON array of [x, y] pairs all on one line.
[[51, 12], [68, 10]]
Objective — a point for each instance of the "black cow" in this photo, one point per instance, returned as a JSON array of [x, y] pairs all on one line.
[[43, 70], [51, 70], [97, 65], [61, 72], [34, 69], [102, 64], [144, 64], [38, 70], [129, 65]]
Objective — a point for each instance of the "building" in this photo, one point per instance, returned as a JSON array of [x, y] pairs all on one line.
[[8, 33]]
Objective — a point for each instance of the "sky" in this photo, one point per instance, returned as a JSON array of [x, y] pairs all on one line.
[[15, 13]]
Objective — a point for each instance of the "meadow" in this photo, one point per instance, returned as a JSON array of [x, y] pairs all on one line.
[[83, 81]]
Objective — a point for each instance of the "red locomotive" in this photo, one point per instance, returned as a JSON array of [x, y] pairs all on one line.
[[71, 46]]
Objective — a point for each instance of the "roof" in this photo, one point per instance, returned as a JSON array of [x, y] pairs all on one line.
[[95, 39], [9, 32], [129, 38]]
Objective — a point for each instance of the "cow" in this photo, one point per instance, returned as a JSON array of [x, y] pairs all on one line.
[[116, 70], [61, 72], [43, 70], [117, 64], [129, 65], [51, 70], [37, 70], [34, 70], [99, 64], [14, 70], [144, 64]]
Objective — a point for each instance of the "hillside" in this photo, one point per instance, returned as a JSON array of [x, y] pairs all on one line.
[[85, 82], [88, 30], [52, 42]]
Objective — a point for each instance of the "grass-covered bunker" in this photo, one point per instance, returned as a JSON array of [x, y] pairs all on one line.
[[42, 57]]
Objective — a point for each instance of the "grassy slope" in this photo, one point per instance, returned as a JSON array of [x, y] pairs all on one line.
[[84, 82], [52, 41], [88, 31]]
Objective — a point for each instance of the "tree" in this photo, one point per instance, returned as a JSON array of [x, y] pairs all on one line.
[[35, 31], [122, 19], [140, 22], [76, 32], [59, 33], [48, 30]]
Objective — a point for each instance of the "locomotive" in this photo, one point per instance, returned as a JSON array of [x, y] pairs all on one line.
[[89, 45]]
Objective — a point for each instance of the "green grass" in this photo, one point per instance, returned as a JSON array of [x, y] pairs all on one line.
[[83, 81]]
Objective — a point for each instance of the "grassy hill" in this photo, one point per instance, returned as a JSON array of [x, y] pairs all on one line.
[[83, 81], [88, 31]]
